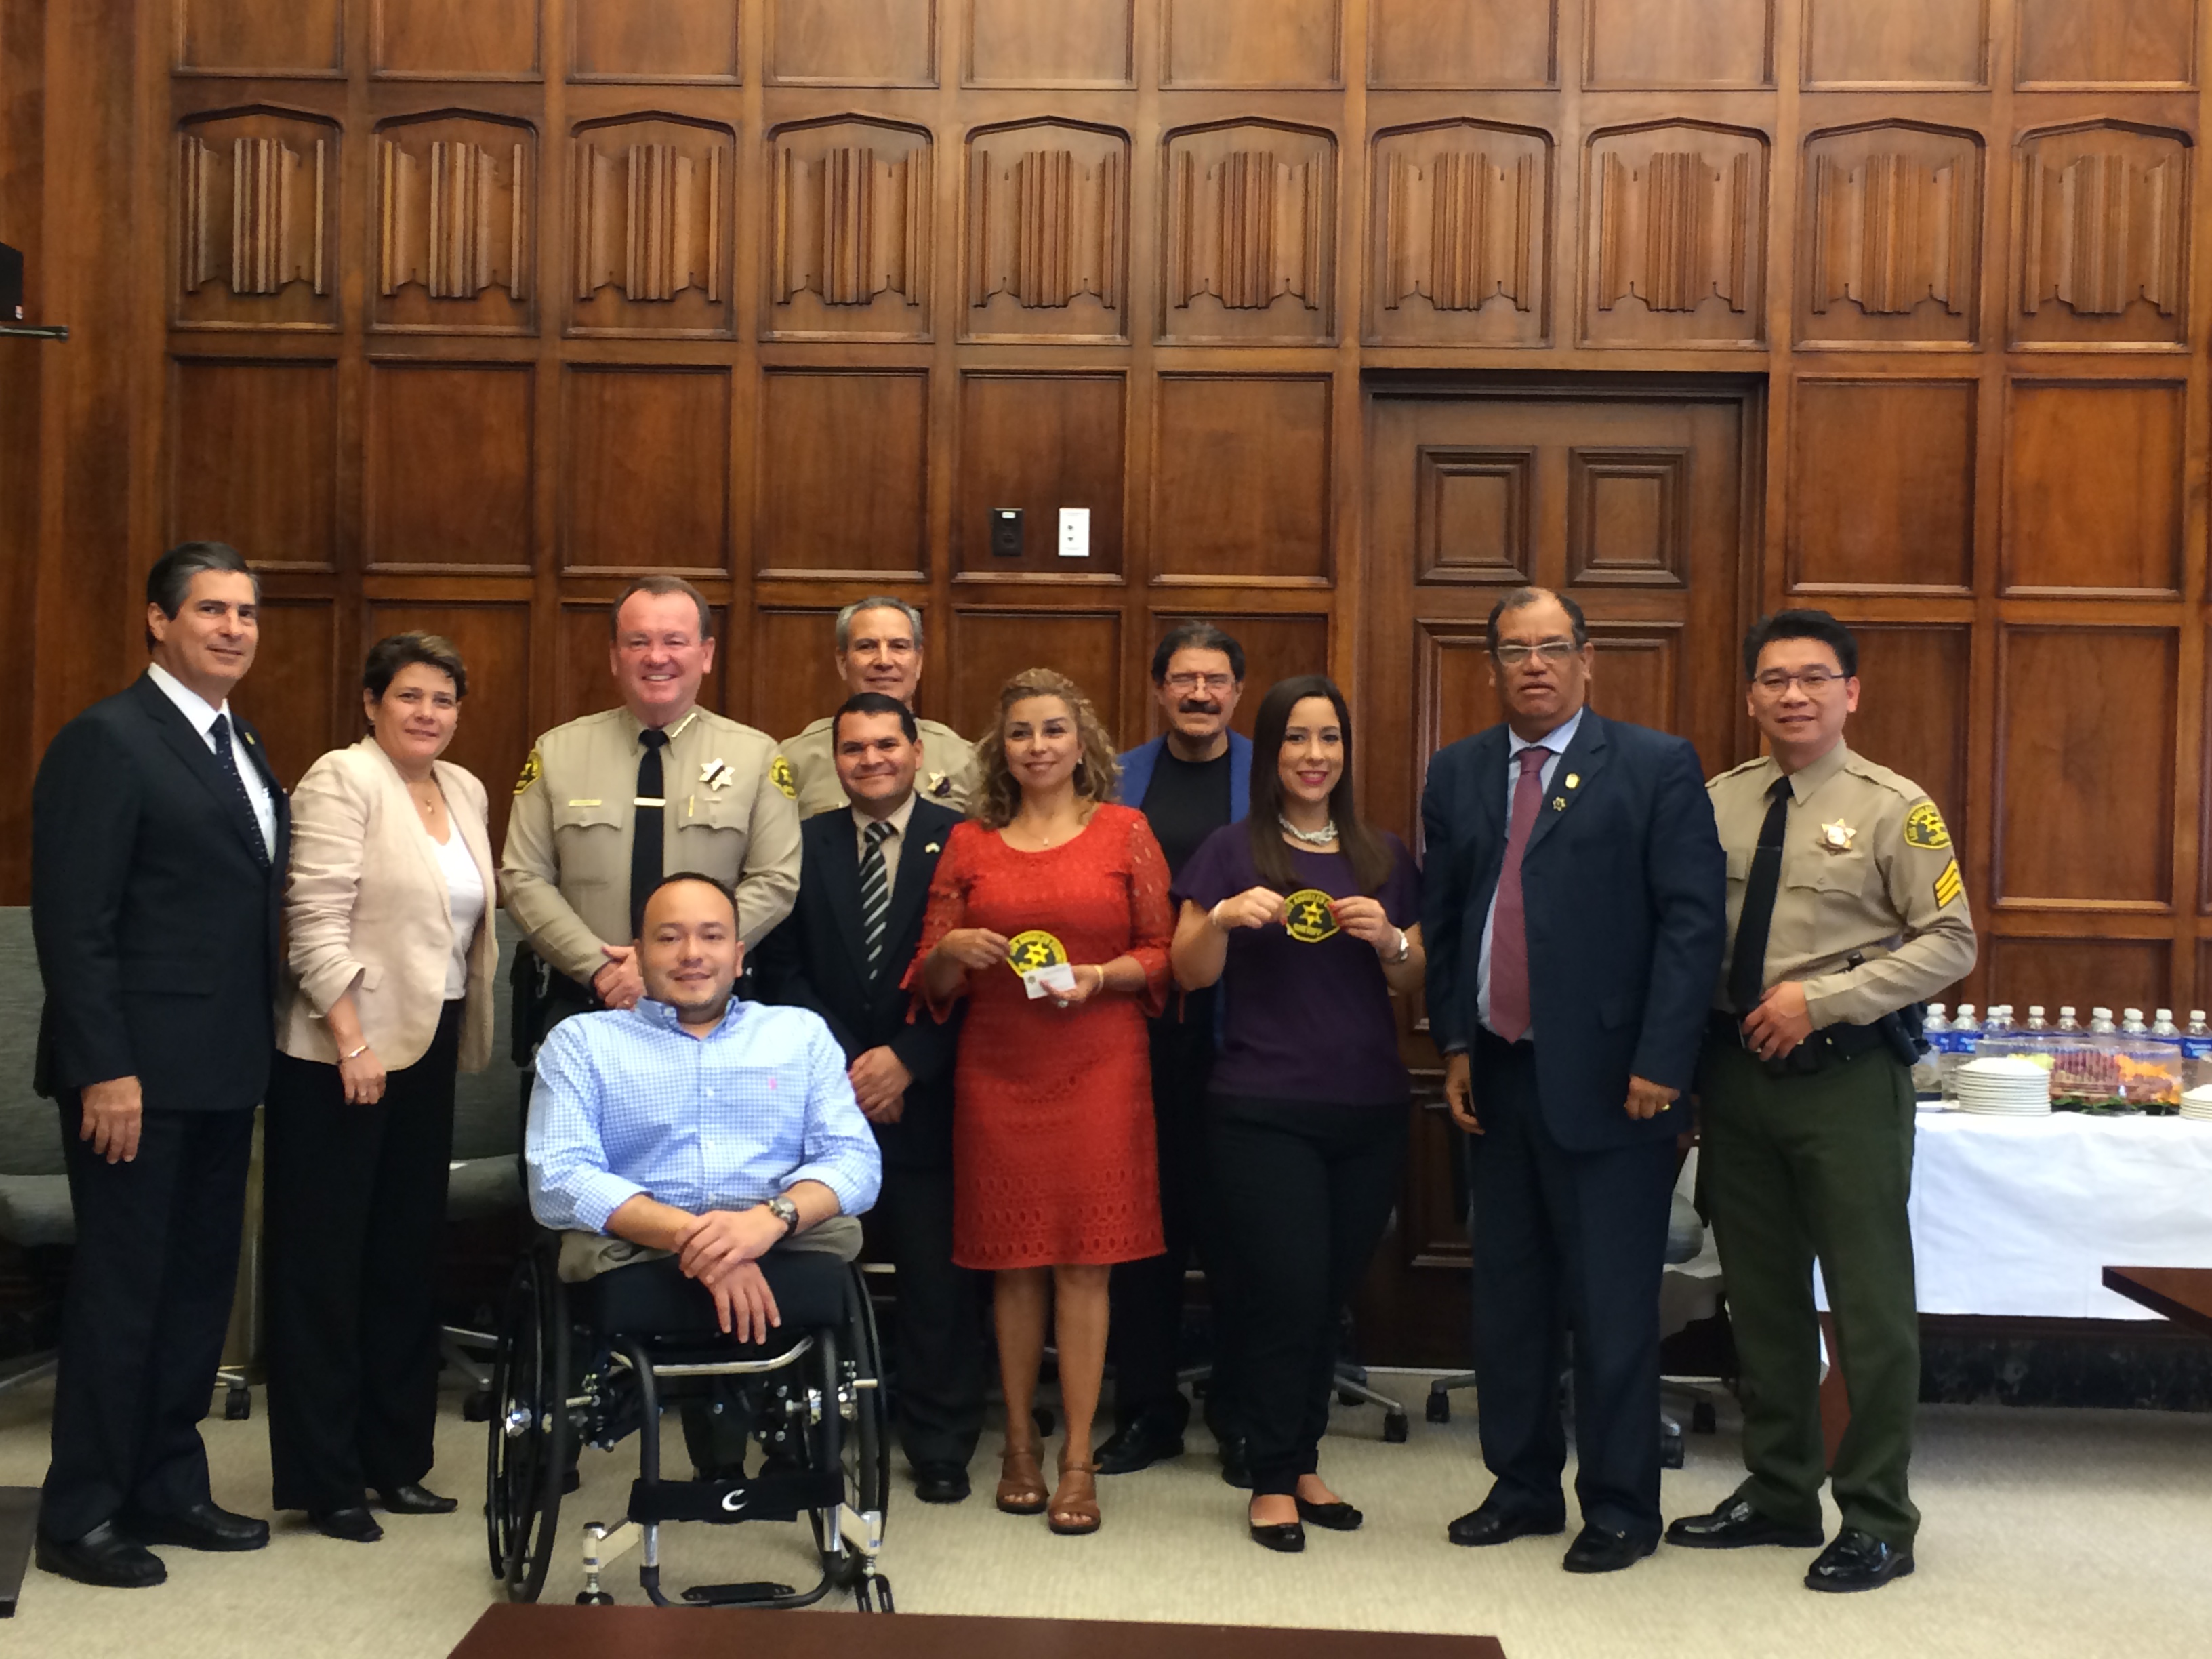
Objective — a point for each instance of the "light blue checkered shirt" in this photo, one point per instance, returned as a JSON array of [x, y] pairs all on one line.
[[628, 1103]]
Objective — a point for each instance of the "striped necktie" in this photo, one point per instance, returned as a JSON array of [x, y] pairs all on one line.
[[875, 893]]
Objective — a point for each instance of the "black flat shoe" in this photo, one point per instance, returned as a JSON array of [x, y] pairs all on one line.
[[1289, 1537], [1479, 1527], [411, 1499], [1336, 1517], [104, 1558], [1857, 1561], [1600, 1549], [202, 1527], [353, 1523], [941, 1483], [1735, 1525], [1136, 1446]]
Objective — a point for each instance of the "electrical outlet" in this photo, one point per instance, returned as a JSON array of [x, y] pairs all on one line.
[[1074, 532], [1006, 532]]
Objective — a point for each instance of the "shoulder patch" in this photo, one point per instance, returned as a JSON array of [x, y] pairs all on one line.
[[779, 774], [1948, 886], [532, 769], [1924, 828]]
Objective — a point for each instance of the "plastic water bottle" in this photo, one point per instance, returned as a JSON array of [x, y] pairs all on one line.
[[1926, 1082], [1998, 1040], [2197, 1051], [2160, 1090], [2110, 1095], [2073, 1063], [1965, 1036]]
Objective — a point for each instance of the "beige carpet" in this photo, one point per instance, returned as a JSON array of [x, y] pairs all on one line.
[[2047, 1533]]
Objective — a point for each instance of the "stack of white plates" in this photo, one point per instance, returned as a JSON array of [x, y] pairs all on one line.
[[2005, 1088], [2197, 1103]]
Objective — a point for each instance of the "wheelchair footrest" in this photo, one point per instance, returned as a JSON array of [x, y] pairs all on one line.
[[783, 1496], [731, 1595]]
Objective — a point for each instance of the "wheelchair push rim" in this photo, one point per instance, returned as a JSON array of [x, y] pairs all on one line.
[[528, 1432]]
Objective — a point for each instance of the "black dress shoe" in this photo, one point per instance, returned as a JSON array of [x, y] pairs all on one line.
[[413, 1499], [353, 1523], [1486, 1525], [1735, 1525], [1137, 1445], [202, 1527], [1236, 1461], [1857, 1561], [103, 1556], [1285, 1537], [941, 1483], [1337, 1517], [1600, 1549]]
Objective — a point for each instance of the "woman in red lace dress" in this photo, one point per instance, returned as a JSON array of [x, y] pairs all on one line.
[[1054, 1178]]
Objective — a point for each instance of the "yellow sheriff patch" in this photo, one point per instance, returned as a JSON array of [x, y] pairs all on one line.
[[1034, 949], [532, 769], [1307, 917], [779, 774], [1924, 828], [1948, 886]]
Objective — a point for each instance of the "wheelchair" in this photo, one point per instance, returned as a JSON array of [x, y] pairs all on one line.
[[812, 1396]]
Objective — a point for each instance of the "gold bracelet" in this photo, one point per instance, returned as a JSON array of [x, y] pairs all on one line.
[[355, 1055]]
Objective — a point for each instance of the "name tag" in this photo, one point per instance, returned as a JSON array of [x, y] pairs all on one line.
[[1056, 980]]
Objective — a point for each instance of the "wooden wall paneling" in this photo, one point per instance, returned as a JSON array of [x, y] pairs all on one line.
[[2082, 974], [254, 457], [1454, 695], [1248, 236], [438, 40], [1882, 486], [1241, 480], [1039, 442], [1679, 43], [990, 646], [1072, 43], [2100, 238], [1674, 236], [852, 43], [1462, 43], [2095, 489], [297, 40], [849, 251], [1045, 255], [583, 675], [1639, 673], [1460, 236], [1473, 508], [1277, 646], [2085, 784], [300, 696], [1916, 710], [1896, 44], [2141, 45], [256, 220], [449, 474], [2200, 989], [651, 236], [645, 469], [1251, 43], [1889, 241], [790, 661], [495, 730], [453, 225], [22, 411], [673, 41], [843, 474]]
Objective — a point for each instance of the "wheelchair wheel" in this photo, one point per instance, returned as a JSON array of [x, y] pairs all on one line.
[[529, 1447], [863, 1444]]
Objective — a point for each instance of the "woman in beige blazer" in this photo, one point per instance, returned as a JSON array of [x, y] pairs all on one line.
[[387, 993]]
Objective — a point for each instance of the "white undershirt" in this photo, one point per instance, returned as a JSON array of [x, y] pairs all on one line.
[[465, 889], [202, 713]]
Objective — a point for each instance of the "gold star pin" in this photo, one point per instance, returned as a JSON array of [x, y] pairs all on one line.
[[1559, 803], [1837, 837]]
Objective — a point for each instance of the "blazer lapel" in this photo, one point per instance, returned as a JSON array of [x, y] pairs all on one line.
[[838, 853], [1583, 759], [199, 760], [929, 827], [407, 822]]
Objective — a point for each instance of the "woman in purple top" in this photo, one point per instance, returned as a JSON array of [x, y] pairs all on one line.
[[1307, 917]]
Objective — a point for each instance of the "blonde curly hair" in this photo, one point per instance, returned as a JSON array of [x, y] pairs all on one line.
[[1097, 774]]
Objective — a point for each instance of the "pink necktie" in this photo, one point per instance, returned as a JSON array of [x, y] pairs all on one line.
[[1508, 924]]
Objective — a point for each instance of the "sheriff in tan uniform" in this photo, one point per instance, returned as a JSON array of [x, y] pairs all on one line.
[[879, 648], [1845, 905]]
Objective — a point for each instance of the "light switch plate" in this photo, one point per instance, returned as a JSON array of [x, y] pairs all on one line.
[[1074, 532]]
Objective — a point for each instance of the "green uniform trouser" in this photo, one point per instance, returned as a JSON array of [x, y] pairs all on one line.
[[1793, 1167]]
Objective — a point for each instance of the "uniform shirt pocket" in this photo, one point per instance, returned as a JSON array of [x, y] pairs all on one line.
[[1739, 863]]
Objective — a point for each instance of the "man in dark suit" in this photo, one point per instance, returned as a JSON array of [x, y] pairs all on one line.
[[158, 848], [864, 871], [1573, 910]]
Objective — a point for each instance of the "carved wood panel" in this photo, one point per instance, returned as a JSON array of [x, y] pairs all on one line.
[[1472, 513], [1915, 709], [253, 457], [300, 38], [1072, 43], [1459, 234], [988, 647], [1675, 239], [821, 434], [300, 696], [2100, 237], [1251, 43], [2094, 43], [849, 247], [1882, 486], [2095, 499], [1247, 237], [455, 225], [1896, 44], [1462, 43], [1047, 250], [791, 658], [1890, 248], [257, 203], [1039, 443], [448, 474], [645, 469], [650, 227], [1628, 515], [852, 43], [656, 40], [1679, 43], [1241, 480], [2082, 973], [437, 40]]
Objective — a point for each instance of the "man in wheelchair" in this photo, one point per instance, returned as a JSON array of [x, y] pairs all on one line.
[[703, 1162]]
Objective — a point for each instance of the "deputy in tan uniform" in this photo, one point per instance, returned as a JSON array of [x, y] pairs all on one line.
[[880, 649], [1846, 909], [581, 850]]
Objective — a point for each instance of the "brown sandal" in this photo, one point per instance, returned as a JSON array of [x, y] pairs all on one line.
[[1021, 1481], [1077, 1498]]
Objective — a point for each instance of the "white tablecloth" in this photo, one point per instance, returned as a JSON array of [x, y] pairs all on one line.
[[2021, 1216]]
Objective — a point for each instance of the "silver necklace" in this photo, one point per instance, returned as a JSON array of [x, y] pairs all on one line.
[[1320, 838]]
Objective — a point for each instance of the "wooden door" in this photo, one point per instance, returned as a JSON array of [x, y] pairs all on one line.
[[1631, 498]]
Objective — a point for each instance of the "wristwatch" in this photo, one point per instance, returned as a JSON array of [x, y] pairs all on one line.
[[786, 1211], [1405, 949]]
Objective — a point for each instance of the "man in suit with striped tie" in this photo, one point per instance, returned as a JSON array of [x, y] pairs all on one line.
[[864, 871]]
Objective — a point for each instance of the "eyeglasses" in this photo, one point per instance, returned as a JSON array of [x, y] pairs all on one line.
[[1513, 654], [1774, 682], [1213, 682]]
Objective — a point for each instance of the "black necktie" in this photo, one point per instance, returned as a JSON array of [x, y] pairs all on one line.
[[649, 832], [875, 893], [220, 732], [1748, 965]]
